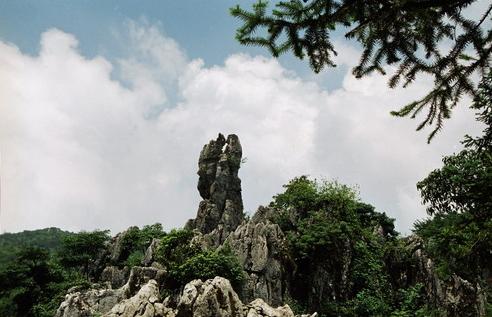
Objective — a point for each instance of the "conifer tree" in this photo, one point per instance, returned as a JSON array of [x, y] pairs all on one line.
[[408, 34]]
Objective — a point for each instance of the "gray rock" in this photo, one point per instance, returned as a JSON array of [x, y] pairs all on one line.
[[457, 296], [140, 276], [210, 298], [258, 308], [146, 303], [115, 276], [217, 298], [260, 248], [116, 247], [90, 302], [149, 257], [219, 186]]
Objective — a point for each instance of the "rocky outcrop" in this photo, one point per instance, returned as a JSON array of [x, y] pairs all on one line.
[[260, 248], [211, 298], [139, 276], [149, 257], [219, 186], [143, 304], [84, 303], [456, 296], [116, 277], [117, 246], [217, 298]]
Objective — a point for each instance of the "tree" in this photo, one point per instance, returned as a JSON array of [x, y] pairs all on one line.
[[464, 183], [407, 34], [81, 250], [459, 196], [25, 282]]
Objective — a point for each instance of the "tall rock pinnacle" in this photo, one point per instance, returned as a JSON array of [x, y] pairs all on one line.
[[219, 185]]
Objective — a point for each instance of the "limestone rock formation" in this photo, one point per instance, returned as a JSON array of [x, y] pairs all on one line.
[[217, 298], [149, 257], [457, 296], [143, 304], [117, 247], [219, 186], [260, 248], [211, 298], [87, 303], [83, 303], [115, 276]]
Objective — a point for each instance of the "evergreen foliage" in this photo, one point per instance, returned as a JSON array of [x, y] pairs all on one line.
[[12, 243], [407, 34], [38, 267], [459, 196], [34, 284], [80, 251]]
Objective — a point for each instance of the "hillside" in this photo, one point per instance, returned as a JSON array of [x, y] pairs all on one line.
[[316, 250], [48, 238]]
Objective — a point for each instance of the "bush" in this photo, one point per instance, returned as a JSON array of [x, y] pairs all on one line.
[[134, 259], [186, 261], [209, 264], [175, 248], [330, 230], [136, 241]]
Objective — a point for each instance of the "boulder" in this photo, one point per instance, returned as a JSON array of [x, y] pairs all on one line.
[[145, 303], [149, 257], [140, 276], [89, 303], [116, 277], [210, 298], [260, 248]]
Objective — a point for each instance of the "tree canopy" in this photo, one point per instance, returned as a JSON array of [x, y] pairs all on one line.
[[459, 195], [416, 37]]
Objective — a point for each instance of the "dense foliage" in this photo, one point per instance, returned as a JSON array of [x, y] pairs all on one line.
[[459, 195], [81, 250], [335, 238], [38, 267], [32, 282], [135, 241], [186, 261], [11, 243], [416, 37]]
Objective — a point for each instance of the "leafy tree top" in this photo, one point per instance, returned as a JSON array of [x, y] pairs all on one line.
[[464, 183], [408, 34]]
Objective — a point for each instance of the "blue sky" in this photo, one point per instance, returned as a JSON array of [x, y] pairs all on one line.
[[105, 106], [203, 30]]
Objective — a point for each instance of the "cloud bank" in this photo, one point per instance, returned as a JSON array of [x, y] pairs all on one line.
[[91, 143]]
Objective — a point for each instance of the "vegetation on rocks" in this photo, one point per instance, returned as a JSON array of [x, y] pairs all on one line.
[[317, 246], [186, 261]]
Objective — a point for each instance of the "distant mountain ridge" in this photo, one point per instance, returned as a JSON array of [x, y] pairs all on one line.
[[48, 238]]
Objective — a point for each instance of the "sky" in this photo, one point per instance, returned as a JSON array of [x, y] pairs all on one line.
[[105, 106]]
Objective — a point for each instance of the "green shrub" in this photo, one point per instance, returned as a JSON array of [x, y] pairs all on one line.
[[176, 247], [134, 259], [136, 241], [207, 265], [186, 261]]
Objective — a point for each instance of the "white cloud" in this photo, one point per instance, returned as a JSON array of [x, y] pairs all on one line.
[[80, 150]]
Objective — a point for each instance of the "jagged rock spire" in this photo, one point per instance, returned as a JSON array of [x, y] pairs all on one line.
[[219, 185]]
